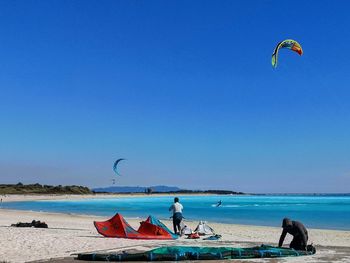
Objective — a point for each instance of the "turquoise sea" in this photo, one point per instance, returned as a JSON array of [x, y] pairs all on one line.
[[327, 212]]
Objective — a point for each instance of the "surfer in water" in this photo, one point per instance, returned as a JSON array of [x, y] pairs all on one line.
[[219, 203]]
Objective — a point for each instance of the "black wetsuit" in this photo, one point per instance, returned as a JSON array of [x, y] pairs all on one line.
[[299, 233]]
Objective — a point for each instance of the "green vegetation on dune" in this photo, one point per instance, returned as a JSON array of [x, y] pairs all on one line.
[[43, 189]]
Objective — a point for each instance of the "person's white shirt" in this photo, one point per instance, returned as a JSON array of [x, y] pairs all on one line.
[[176, 208]]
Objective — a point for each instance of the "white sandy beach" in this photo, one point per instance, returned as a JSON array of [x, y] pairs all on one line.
[[69, 234]]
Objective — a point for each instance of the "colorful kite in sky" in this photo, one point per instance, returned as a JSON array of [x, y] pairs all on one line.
[[289, 44]]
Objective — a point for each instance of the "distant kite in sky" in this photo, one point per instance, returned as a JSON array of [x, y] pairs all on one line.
[[115, 166], [289, 44]]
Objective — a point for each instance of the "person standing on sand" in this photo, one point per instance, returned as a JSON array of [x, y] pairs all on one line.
[[297, 230], [176, 208]]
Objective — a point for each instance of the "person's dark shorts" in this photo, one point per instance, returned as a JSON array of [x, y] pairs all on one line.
[[177, 217]]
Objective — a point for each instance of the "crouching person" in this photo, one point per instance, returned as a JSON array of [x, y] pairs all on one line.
[[297, 230]]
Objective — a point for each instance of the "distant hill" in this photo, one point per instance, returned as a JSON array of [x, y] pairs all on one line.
[[136, 189], [43, 189]]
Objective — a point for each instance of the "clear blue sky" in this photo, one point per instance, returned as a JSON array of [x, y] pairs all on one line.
[[184, 90]]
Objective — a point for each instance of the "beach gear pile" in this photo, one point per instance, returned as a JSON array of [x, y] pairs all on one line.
[[203, 229], [151, 228], [117, 226], [177, 253], [34, 223]]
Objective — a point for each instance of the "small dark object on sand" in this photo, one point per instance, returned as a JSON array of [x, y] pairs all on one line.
[[311, 248], [34, 223], [215, 237]]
